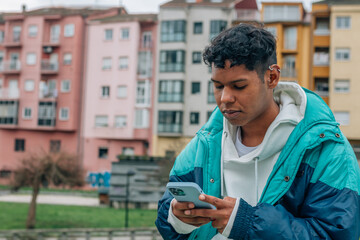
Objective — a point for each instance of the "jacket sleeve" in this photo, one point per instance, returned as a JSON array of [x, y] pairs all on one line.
[[183, 170], [329, 207]]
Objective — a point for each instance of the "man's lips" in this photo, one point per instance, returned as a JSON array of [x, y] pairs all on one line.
[[230, 114]]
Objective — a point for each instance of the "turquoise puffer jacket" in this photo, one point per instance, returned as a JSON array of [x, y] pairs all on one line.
[[312, 192]]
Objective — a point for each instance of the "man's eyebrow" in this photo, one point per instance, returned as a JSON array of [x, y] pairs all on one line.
[[235, 81]]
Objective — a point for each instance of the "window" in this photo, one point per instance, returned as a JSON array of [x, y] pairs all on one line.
[[216, 26], [33, 30], [27, 113], [342, 54], [172, 61], [19, 145], [211, 97], [120, 121], [170, 122], [171, 91], [322, 26], [129, 151], [103, 152], [55, 33], [322, 86], [196, 57], [173, 31], [146, 40], [343, 22], [195, 87], [198, 27], [108, 34], [47, 114], [2, 36], [106, 63], [4, 173], [105, 91], [321, 56], [29, 85], [145, 64], [194, 118], [122, 91], [125, 33], [342, 117], [143, 93], [101, 121], [289, 66], [65, 86], [290, 34], [123, 62], [55, 146], [16, 34], [69, 30], [141, 118], [67, 59], [342, 86], [272, 30], [287, 13], [9, 112], [31, 59], [64, 114]]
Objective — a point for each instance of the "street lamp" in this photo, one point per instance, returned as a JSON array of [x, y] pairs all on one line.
[[128, 175]]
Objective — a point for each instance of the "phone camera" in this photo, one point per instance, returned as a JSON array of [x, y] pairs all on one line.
[[177, 191]]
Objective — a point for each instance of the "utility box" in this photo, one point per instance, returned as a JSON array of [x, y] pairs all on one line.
[[138, 177]]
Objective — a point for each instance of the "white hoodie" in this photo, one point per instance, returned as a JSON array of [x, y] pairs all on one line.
[[245, 176]]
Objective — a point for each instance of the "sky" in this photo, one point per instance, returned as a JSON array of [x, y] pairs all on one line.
[[132, 6]]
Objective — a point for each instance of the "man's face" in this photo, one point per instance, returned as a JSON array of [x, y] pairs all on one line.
[[241, 95]]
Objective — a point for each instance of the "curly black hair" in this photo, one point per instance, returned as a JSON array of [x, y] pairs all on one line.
[[245, 44]]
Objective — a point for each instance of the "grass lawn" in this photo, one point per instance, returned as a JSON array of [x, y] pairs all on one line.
[[92, 193], [13, 216]]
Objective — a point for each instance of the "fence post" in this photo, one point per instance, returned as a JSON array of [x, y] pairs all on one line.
[[88, 235], [132, 235], [110, 235]]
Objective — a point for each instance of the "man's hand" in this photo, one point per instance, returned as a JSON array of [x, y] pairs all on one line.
[[181, 208], [219, 216]]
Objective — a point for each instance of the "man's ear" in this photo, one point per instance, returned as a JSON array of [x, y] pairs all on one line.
[[273, 77]]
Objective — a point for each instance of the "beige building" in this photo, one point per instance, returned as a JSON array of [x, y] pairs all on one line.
[[339, 23]]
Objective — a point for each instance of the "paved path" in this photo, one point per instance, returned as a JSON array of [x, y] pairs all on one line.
[[51, 199]]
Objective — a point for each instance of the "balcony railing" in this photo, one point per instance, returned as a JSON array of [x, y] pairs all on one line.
[[322, 32], [169, 128], [49, 66], [321, 59], [247, 15], [45, 93], [288, 73], [9, 93], [11, 66]]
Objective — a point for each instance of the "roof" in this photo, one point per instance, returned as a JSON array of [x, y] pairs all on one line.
[[338, 2], [129, 18], [185, 3]]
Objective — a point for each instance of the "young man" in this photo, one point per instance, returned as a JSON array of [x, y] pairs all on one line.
[[271, 158]]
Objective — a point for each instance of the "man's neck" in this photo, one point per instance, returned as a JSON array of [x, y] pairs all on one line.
[[253, 133]]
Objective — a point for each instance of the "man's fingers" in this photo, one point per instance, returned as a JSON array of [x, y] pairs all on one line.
[[182, 205], [217, 202]]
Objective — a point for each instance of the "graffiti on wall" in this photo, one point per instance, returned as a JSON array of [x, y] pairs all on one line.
[[97, 179]]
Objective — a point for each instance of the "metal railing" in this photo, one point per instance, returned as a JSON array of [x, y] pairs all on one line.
[[82, 234], [48, 65], [11, 65], [9, 93]]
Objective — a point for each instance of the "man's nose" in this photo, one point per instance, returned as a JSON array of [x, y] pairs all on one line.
[[227, 95]]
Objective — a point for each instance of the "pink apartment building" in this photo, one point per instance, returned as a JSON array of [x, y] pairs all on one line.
[[41, 72], [120, 55]]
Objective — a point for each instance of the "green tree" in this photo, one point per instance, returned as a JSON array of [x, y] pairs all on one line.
[[42, 169]]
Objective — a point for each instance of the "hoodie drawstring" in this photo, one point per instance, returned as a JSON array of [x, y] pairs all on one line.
[[222, 163], [256, 159]]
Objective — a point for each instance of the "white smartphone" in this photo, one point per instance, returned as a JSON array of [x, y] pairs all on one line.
[[188, 192]]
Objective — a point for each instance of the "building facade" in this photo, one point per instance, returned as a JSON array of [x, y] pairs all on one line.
[[41, 72], [184, 94], [119, 86]]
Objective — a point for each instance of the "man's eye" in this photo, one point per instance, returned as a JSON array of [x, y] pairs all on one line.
[[239, 88], [219, 86]]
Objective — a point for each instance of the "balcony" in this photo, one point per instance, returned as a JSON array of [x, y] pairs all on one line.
[[47, 114], [247, 15], [321, 59], [49, 67], [15, 41], [53, 41], [322, 32], [45, 93], [10, 67], [9, 93]]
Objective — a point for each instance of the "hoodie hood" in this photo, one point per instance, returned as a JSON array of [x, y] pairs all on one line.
[[291, 99]]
